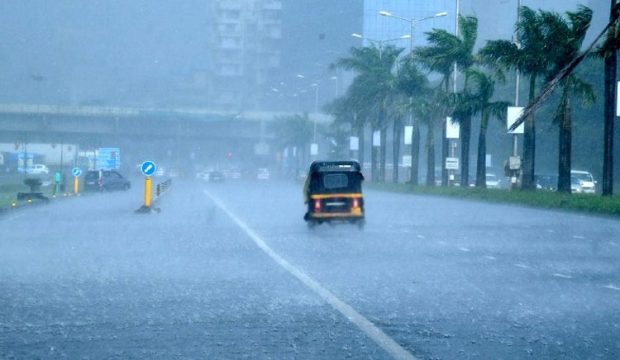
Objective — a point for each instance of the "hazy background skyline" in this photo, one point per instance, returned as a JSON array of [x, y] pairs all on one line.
[[143, 53]]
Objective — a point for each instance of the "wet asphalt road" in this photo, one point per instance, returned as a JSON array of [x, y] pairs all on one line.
[[447, 279]]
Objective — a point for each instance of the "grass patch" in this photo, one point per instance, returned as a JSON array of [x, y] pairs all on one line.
[[594, 204]]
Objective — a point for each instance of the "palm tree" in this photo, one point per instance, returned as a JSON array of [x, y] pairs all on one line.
[[481, 92], [349, 111], [293, 131], [413, 85], [445, 50], [374, 85], [567, 35], [530, 57]]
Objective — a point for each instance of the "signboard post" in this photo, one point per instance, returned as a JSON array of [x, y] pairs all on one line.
[[76, 171], [148, 169], [452, 163]]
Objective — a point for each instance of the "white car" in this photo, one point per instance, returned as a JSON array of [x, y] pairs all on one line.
[[493, 182], [262, 174], [582, 182], [38, 169]]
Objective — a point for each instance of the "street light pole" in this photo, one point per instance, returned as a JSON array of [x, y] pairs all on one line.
[[515, 146], [381, 42], [316, 109]]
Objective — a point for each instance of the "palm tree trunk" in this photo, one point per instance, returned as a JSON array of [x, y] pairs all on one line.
[[383, 158], [396, 134], [360, 137], [415, 152], [610, 97], [373, 156], [430, 154], [445, 143], [465, 124], [529, 144], [565, 141], [481, 166]]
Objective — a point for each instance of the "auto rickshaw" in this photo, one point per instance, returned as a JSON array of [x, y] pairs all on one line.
[[333, 192]]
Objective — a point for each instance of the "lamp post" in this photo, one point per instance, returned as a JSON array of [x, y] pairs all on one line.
[[412, 21], [415, 134], [381, 42], [515, 147], [315, 85]]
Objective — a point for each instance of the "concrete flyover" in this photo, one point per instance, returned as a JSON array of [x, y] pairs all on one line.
[[36, 122]]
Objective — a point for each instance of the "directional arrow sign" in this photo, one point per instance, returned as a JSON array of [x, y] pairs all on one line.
[[76, 171], [148, 168]]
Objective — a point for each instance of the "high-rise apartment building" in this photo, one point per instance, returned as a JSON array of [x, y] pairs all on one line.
[[244, 51]]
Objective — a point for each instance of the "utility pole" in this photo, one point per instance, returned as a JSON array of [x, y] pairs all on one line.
[[515, 147], [610, 96]]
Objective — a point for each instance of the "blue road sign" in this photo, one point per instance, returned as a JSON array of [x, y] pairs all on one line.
[[148, 168], [76, 171]]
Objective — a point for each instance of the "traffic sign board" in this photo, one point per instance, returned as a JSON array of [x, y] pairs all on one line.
[[108, 158], [514, 163], [76, 171], [148, 168], [452, 163]]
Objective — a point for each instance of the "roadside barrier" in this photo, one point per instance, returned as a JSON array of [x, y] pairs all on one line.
[[149, 201]]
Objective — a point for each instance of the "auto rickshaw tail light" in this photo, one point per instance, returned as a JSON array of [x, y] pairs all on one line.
[[317, 205]]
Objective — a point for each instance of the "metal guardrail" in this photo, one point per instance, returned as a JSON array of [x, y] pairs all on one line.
[[162, 188]]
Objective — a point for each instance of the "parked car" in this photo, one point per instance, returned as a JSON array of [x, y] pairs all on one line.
[[262, 174], [215, 176], [584, 182], [100, 180], [38, 169], [547, 182], [493, 182]]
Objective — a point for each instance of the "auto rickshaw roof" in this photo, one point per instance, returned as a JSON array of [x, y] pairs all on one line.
[[335, 166]]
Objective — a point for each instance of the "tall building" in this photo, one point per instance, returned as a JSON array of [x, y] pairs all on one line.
[[244, 48]]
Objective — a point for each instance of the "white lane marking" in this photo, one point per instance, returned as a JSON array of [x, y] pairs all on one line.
[[578, 237], [490, 257], [464, 249], [562, 276], [522, 266], [421, 236], [376, 334], [551, 231], [441, 242], [612, 287]]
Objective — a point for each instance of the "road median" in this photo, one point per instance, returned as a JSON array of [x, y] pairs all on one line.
[[591, 204]]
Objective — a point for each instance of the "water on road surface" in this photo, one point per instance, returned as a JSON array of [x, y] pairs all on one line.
[[428, 278]]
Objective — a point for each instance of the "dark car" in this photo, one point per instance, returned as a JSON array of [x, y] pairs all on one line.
[[100, 180], [547, 182], [216, 176]]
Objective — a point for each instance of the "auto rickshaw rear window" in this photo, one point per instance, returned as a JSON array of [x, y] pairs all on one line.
[[335, 181]]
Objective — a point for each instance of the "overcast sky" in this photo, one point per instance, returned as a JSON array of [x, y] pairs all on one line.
[[113, 51]]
